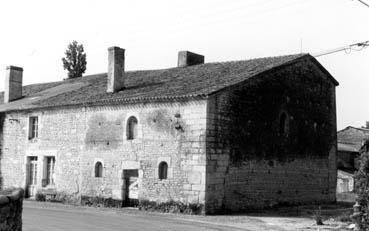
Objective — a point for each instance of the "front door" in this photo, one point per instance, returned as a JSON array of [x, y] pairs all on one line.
[[31, 176], [131, 187]]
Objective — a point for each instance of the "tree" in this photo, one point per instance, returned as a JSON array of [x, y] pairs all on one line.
[[74, 60], [362, 185]]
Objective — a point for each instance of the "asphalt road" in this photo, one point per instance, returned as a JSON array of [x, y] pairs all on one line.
[[38, 217]]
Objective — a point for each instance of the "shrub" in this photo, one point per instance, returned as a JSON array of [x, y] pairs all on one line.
[[344, 217], [171, 207], [362, 184], [318, 217], [100, 202], [40, 196]]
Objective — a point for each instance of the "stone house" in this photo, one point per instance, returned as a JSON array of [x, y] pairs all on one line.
[[345, 186], [227, 136], [349, 142]]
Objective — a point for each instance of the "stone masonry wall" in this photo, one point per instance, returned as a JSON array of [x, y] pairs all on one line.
[[250, 163], [11, 206], [60, 134], [174, 133], [79, 137]]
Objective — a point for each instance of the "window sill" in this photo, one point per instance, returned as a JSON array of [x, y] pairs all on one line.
[[50, 186], [34, 140], [133, 141]]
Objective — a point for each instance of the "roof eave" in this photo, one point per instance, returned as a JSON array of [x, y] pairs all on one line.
[[114, 102]]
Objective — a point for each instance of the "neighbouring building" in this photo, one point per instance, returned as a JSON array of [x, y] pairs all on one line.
[[349, 143], [227, 136], [345, 186]]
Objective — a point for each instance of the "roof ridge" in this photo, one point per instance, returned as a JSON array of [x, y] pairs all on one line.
[[359, 128]]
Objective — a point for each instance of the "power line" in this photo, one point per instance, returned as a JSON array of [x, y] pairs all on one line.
[[364, 3], [347, 49]]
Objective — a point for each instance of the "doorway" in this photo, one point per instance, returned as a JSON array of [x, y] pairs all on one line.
[[31, 176], [130, 187]]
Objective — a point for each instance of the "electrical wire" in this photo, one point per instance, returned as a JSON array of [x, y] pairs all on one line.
[[364, 3], [347, 49]]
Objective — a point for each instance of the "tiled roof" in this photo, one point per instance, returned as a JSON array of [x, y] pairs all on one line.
[[150, 85], [353, 136]]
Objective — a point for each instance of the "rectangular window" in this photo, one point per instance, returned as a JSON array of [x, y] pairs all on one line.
[[50, 170], [33, 170], [33, 127]]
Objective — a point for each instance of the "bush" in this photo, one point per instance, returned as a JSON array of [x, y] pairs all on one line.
[[362, 184], [40, 196], [171, 207], [318, 216], [101, 202], [344, 217]]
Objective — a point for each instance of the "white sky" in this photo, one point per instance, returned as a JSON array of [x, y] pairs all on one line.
[[35, 34]]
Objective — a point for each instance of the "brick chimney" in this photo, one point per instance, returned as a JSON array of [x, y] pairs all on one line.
[[115, 69], [13, 83], [186, 58]]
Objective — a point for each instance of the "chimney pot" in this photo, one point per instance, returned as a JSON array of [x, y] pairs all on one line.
[[13, 83], [115, 69], [187, 58]]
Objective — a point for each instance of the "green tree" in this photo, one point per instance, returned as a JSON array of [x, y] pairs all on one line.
[[74, 60]]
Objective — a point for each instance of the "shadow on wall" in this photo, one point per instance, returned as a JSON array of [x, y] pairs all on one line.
[[103, 133]]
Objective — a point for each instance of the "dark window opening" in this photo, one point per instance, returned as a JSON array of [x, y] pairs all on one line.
[[98, 169], [283, 124], [132, 128], [163, 170], [315, 126]]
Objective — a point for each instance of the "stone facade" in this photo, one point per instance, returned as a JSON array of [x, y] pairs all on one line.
[[345, 182], [79, 137], [268, 140], [11, 206], [250, 164]]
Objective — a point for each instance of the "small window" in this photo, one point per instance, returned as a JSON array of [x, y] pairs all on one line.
[[283, 124], [163, 170], [98, 169], [132, 128], [33, 128], [315, 126]]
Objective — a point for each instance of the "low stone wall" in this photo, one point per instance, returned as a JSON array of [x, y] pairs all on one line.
[[11, 206]]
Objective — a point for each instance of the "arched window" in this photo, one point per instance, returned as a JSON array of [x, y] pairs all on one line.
[[315, 126], [98, 169], [131, 128], [283, 124], [163, 170]]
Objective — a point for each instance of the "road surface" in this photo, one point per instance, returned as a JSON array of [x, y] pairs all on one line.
[[46, 216], [38, 217]]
